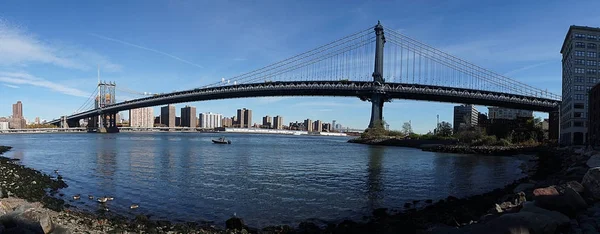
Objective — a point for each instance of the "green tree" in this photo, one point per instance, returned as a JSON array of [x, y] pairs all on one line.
[[444, 129], [407, 128]]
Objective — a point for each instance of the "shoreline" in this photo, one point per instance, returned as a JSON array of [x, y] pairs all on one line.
[[447, 213]]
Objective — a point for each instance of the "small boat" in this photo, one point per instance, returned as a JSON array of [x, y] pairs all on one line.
[[221, 140]]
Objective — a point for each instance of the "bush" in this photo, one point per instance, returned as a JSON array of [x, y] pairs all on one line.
[[503, 142]]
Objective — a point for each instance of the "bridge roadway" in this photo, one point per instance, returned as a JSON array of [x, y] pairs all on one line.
[[360, 89]]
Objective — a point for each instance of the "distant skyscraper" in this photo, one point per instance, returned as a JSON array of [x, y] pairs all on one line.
[[17, 110], [37, 120], [244, 118], [188, 116], [141, 117], [167, 115], [318, 126], [267, 122], [465, 116], [333, 126], [505, 113], [278, 122], [211, 120], [308, 125]]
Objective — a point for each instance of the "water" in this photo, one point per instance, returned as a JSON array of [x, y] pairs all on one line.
[[265, 179]]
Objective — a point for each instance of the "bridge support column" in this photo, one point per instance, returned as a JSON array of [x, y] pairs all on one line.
[[108, 123], [378, 96]]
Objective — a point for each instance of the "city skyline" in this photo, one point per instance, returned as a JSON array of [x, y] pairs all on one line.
[[149, 62]]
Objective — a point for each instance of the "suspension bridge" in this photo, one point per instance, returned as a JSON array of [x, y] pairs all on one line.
[[376, 64]]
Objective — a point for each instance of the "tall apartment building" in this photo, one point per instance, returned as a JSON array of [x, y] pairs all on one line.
[[278, 122], [267, 122], [167, 115], [505, 113], [244, 118], [579, 75], [211, 120], [327, 127], [17, 110], [227, 122], [318, 126], [188, 117], [308, 125], [464, 116], [141, 117]]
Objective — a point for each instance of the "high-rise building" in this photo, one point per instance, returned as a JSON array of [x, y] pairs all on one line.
[[167, 115], [37, 120], [177, 121], [327, 127], [278, 122], [188, 117], [318, 126], [244, 118], [308, 125], [333, 126], [267, 122], [506, 113], [17, 110], [239, 122], [579, 74], [141, 117], [465, 116], [211, 120], [248, 118], [227, 122]]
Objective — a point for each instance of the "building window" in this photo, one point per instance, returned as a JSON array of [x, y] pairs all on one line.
[[592, 80], [579, 61], [578, 35], [591, 46], [579, 44], [588, 88], [579, 87], [579, 53], [578, 105], [592, 63], [579, 79], [591, 37], [591, 71], [577, 114], [578, 97], [579, 70], [592, 54], [578, 124]]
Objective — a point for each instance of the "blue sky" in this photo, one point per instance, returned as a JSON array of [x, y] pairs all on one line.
[[49, 50]]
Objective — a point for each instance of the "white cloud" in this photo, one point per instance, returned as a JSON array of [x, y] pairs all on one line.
[[146, 48], [16, 78], [11, 86], [18, 48]]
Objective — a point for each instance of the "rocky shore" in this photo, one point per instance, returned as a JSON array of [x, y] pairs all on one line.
[[560, 196], [485, 150]]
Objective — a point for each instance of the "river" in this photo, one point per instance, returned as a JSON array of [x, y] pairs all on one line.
[[265, 179]]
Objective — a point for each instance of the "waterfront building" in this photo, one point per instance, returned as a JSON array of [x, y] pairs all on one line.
[[188, 117], [167, 116], [267, 122], [177, 121], [327, 127], [157, 120], [37, 120], [318, 126], [244, 118], [308, 125], [333, 126], [465, 116], [278, 122], [296, 126], [593, 127], [579, 74], [17, 121], [4, 123], [506, 113], [211, 120], [17, 110], [338, 127], [141, 117], [227, 122]]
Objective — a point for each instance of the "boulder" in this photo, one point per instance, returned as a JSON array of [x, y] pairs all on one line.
[[522, 187], [568, 203], [235, 223], [575, 186], [517, 223], [591, 181], [561, 219], [594, 161], [30, 219]]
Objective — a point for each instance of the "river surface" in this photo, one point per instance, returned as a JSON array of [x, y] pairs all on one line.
[[265, 179]]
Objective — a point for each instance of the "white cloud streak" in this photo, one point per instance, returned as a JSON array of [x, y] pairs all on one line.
[[145, 48], [16, 78], [19, 48], [11, 86]]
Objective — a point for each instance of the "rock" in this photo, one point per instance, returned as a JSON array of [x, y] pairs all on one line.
[[568, 203], [521, 223], [380, 213], [591, 181], [308, 227], [588, 228], [594, 161], [548, 191], [522, 187], [561, 219], [575, 186], [31, 219], [235, 223]]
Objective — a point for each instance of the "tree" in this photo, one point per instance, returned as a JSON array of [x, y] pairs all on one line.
[[444, 129], [407, 128]]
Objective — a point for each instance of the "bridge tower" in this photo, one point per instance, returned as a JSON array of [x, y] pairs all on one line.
[[378, 96], [106, 122]]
